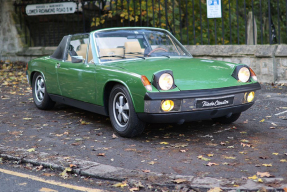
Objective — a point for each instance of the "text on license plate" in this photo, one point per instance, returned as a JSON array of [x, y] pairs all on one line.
[[214, 102]]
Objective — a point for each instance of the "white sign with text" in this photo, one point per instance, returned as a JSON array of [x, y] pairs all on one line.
[[51, 8], [214, 9]]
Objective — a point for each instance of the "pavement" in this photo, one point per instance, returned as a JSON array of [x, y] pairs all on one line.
[[249, 154]]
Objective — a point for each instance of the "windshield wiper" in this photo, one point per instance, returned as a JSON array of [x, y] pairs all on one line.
[[166, 56], [123, 57], [133, 53]]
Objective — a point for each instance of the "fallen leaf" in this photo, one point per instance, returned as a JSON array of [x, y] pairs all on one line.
[[48, 174], [222, 143], [151, 162], [84, 122], [134, 189], [283, 160], [73, 166], [39, 168], [164, 143], [245, 145], [260, 180], [64, 174], [27, 118], [216, 189], [211, 164], [23, 184], [101, 154], [183, 150], [244, 141], [275, 153], [146, 171], [31, 150], [210, 155], [229, 157], [267, 165], [130, 149], [99, 134], [179, 181], [121, 185], [203, 158], [264, 174], [254, 177], [262, 121], [114, 136], [76, 143]]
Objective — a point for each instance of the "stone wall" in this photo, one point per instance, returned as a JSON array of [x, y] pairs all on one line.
[[10, 42]]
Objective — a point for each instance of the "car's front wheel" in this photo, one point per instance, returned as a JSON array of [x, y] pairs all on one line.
[[122, 113], [227, 119], [40, 95]]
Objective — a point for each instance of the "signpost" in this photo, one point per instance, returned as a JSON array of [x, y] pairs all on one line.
[[51, 8], [214, 9]]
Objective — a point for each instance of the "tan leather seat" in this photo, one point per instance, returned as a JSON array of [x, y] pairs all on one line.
[[81, 51], [133, 49], [111, 52]]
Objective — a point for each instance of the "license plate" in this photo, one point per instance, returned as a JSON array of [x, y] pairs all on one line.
[[214, 102]]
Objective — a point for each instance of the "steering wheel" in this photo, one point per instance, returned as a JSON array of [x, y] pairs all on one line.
[[162, 49]]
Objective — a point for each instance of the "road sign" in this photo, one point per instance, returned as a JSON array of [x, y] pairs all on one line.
[[51, 8], [214, 9]]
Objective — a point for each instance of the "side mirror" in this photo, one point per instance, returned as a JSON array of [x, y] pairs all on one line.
[[78, 59]]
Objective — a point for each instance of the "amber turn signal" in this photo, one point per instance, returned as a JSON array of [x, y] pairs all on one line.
[[146, 83], [253, 75]]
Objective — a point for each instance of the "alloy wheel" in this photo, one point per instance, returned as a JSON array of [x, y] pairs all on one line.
[[121, 109]]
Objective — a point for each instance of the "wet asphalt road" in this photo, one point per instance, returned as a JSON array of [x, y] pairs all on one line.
[[257, 142]]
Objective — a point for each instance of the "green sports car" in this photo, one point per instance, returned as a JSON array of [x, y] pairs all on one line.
[[140, 75]]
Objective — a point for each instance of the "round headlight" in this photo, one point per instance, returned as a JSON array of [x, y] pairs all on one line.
[[165, 81], [244, 74]]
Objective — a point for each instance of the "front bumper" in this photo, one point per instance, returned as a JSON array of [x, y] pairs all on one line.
[[187, 106]]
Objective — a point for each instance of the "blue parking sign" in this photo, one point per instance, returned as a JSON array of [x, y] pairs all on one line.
[[214, 9]]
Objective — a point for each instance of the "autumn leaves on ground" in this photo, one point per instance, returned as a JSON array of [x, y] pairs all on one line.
[[253, 148]]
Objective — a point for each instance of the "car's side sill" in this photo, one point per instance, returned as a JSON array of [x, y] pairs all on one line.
[[79, 104]]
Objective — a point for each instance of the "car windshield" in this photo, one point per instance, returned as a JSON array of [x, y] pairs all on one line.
[[137, 43]]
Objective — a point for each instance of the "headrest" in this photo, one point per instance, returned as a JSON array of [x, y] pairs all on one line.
[[132, 47], [82, 47]]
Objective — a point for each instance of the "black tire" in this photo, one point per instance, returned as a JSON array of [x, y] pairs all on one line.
[[40, 95], [122, 113], [227, 119]]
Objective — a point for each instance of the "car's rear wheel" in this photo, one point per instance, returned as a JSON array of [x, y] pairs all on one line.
[[122, 113], [227, 119], [40, 95]]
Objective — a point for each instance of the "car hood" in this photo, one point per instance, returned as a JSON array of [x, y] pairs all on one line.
[[189, 73]]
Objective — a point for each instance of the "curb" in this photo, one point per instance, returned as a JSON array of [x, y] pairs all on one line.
[[107, 172]]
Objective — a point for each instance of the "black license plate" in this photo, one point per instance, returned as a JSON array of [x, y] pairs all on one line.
[[214, 102]]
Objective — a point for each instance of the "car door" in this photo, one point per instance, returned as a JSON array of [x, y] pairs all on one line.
[[76, 77]]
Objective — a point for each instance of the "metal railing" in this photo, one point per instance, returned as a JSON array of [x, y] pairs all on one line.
[[242, 22]]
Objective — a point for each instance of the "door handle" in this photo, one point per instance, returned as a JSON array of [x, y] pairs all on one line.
[[58, 65]]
